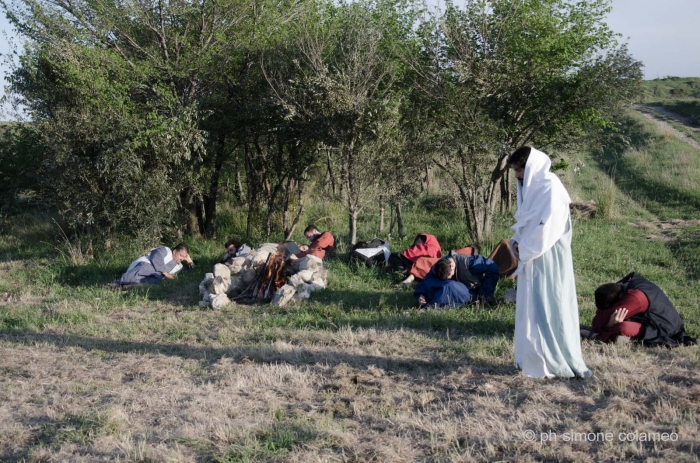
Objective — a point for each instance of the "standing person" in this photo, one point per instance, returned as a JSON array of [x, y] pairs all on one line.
[[547, 338], [322, 244], [158, 264]]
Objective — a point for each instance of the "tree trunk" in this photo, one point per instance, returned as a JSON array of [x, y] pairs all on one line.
[[199, 212], [288, 233], [330, 172], [188, 213], [381, 215], [399, 220], [211, 197], [392, 219], [352, 216], [240, 197]]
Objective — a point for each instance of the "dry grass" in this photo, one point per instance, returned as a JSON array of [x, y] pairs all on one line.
[[344, 395]]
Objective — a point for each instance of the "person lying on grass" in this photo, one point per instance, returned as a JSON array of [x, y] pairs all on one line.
[[424, 249], [158, 264], [234, 248], [458, 279], [322, 244], [635, 308]]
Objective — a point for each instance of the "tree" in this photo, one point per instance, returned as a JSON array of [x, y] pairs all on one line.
[[503, 73], [345, 86]]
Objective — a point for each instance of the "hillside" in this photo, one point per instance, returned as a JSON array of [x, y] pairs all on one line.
[[676, 100], [356, 373]]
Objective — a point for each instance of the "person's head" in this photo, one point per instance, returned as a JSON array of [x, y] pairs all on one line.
[[311, 232], [445, 268], [518, 160], [233, 243], [420, 239], [180, 253], [606, 295]]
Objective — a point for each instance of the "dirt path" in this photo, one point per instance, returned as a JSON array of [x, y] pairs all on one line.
[[654, 112]]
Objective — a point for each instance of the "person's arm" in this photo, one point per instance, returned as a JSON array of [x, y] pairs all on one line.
[[488, 270], [319, 244], [422, 290], [634, 301], [159, 260]]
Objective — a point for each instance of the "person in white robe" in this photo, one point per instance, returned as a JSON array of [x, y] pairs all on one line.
[[547, 336]]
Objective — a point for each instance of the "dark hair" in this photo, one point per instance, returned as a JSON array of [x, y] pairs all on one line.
[[442, 269], [519, 157], [606, 295], [310, 228], [233, 241], [181, 247], [420, 239]]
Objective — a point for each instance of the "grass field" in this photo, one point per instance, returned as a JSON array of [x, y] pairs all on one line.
[[356, 373]]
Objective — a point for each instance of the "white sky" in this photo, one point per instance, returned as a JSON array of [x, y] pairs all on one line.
[[663, 34]]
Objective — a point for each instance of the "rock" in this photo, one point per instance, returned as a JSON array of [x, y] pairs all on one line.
[[283, 295], [295, 264], [236, 265], [206, 296], [204, 304], [219, 301], [248, 276], [306, 276], [295, 279], [303, 291], [269, 248], [206, 283], [219, 286], [317, 284], [221, 270], [236, 284], [311, 263], [260, 259], [321, 274]]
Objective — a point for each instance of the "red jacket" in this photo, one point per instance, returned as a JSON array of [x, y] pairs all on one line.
[[634, 300], [431, 248], [318, 246]]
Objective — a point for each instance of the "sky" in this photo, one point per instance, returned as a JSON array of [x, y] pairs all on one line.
[[663, 34]]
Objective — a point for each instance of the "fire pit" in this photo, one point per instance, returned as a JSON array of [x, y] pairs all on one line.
[[269, 274]]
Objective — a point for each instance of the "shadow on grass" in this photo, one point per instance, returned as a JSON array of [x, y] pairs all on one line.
[[183, 291], [686, 248], [269, 354]]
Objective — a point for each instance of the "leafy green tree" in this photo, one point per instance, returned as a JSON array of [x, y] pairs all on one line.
[[503, 73], [345, 91]]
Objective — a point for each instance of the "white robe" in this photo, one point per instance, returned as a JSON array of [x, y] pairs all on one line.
[[547, 339]]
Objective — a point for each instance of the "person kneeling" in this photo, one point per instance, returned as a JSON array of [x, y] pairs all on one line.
[[635, 308], [160, 263], [457, 280]]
